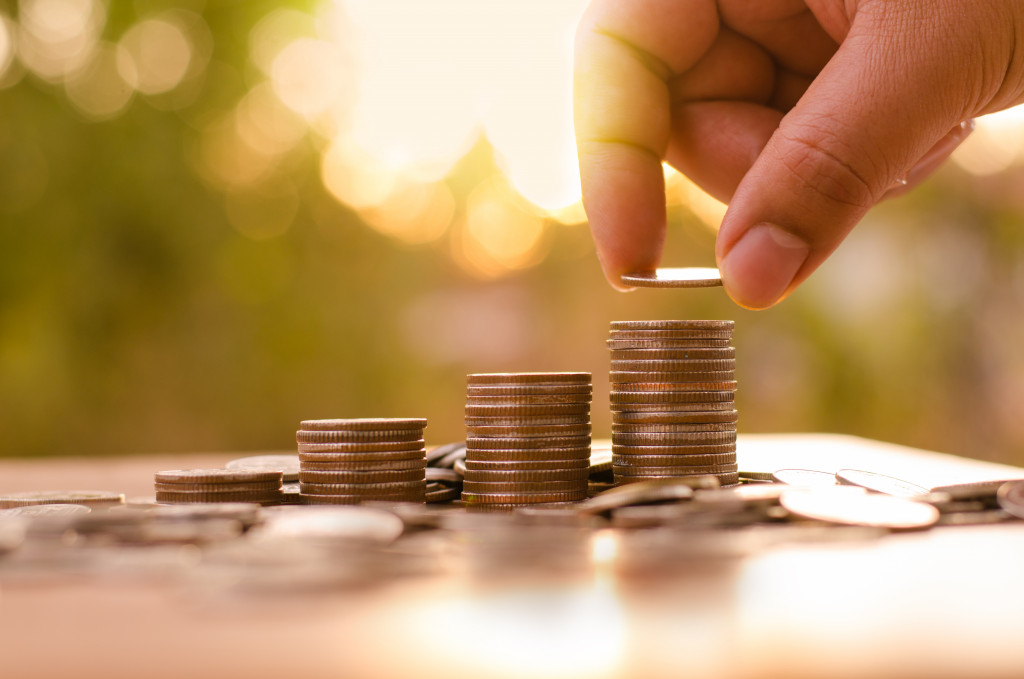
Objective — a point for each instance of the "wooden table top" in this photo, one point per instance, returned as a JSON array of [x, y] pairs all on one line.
[[569, 602]]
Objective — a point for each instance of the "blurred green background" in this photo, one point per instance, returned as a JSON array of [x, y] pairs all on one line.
[[219, 218]]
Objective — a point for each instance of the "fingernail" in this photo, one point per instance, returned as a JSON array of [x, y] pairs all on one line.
[[759, 268]]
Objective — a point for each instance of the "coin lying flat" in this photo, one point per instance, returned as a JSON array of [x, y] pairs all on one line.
[[218, 476], [418, 496], [433, 474], [309, 451], [360, 524], [687, 417], [517, 443], [804, 477], [522, 498], [531, 475], [640, 493], [677, 354], [672, 386], [365, 424], [288, 465], [443, 494], [580, 391], [879, 483], [692, 324], [365, 446], [204, 498], [631, 340], [90, 498], [324, 463], [859, 509], [32, 511], [525, 465], [687, 365], [517, 410], [357, 476], [676, 277], [979, 490], [509, 379], [528, 399], [358, 436], [529, 431], [362, 488], [649, 460], [490, 487], [259, 487], [672, 428], [659, 397], [681, 439]]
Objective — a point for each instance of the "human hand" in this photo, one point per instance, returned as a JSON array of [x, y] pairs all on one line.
[[801, 114]]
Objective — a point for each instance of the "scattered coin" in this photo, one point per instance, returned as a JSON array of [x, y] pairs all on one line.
[[985, 491], [287, 464], [804, 477], [89, 498], [33, 511], [443, 494], [644, 492], [1011, 498], [679, 277], [880, 483], [859, 509], [438, 453], [360, 524], [442, 475]]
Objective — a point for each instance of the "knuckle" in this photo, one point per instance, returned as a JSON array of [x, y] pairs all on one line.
[[823, 166]]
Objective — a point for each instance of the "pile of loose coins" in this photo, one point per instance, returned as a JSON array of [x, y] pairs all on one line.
[[673, 400], [351, 461], [527, 438], [189, 486]]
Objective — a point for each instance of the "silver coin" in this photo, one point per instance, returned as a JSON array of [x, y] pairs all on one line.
[[804, 477], [978, 490], [838, 505], [879, 483], [641, 493]]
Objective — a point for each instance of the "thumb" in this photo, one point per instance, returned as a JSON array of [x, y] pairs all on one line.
[[888, 95]]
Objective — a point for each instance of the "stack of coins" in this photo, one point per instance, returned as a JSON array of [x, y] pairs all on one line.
[[527, 438], [673, 400], [353, 461], [218, 485]]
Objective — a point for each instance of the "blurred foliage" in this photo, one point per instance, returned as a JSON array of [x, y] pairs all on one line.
[[136, 315]]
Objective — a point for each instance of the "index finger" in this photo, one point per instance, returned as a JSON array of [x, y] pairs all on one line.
[[626, 53]]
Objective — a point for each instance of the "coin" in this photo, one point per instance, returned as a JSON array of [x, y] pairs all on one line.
[[417, 496], [661, 417], [522, 465], [511, 454], [683, 354], [675, 377], [550, 409], [522, 498], [638, 409], [651, 470], [880, 483], [443, 495], [629, 341], [359, 524], [328, 451], [658, 397], [526, 443], [201, 497], [287, 464], [681, 439], [260, 487], [703, 365], [510, 379], [365, 447], [357, 476], [695, 449], [504, 431], [859, 509], [677, 428], [90, 498], [648, 460], [804, 477], [362, 465], [536, 400], [724, 479], [674, 277], [645, 492], [1011, 498], [985, 491], [575, 485], [362, 488], [728, 387], [33, 511], [757, 476], [365, 424], [764, 494], [530, 475], [600, 460], [693, 324], [544, 421], [451, 457], [580, 391], [358, 436], [218, 476], [979, 518]]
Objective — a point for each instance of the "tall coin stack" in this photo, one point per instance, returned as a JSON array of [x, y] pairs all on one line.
[[673, 400], [353, 461], [527, 438]]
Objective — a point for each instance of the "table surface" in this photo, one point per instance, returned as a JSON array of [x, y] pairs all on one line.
[[568, 602]]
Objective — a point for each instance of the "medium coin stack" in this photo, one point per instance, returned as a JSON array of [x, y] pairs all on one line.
[[527, 438], [353, 461], [673, 399], [218, 485]]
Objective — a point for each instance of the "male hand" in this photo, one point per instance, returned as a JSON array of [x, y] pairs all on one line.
[[801, 114]]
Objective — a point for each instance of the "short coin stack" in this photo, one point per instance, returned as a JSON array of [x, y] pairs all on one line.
[[358, 460], [673, 400], [218, 485], [527, 438]]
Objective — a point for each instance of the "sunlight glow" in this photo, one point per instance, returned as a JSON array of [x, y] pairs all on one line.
[[498, 235], [6, 44], [98, 91], [155, 56], [307, 76], [996, 143], [57, 37]]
